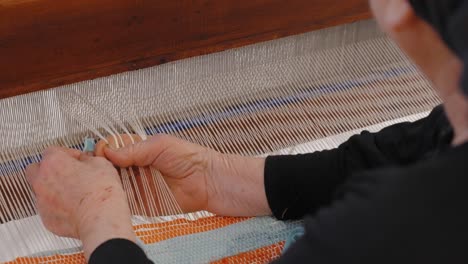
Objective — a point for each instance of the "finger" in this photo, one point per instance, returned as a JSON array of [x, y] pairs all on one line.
[[68, 151], [392, 15], [31, 172], [115, 142], [143, 153], [99, 150], [85, 156]]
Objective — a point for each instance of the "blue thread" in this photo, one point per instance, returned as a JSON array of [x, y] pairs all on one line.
[[89, 145]]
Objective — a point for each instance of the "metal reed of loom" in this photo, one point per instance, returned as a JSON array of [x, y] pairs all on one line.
[[297, 94]]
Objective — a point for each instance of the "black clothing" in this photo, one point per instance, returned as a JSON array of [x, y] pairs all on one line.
[[301, 184], [395, 196], [117, 251], [400, 197]]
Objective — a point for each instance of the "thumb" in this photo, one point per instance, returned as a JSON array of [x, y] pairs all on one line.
[[31, 173], [142, 153]]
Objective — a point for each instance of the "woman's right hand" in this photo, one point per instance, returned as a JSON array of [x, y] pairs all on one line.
[[199, 178]]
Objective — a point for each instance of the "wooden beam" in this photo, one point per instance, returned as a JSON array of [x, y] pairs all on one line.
[[47, 43]]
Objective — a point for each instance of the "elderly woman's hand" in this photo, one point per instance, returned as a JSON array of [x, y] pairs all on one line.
[[199, 177], [80, 196]]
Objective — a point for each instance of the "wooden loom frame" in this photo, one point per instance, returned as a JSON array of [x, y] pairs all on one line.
[[48, 43]]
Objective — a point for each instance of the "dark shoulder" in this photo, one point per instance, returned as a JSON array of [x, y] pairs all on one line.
[[416, 213]]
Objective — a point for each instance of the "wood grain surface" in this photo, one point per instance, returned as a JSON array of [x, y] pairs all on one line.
[[47, 43]]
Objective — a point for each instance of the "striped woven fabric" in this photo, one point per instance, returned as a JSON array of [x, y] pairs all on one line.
[[210, 239]]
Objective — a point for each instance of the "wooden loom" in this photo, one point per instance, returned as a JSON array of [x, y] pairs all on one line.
[[301, 93], [45, 43]]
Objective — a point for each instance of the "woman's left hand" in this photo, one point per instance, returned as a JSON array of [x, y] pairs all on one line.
[[80, 196]]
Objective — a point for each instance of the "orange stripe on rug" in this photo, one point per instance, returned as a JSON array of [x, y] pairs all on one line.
[[148, 233], [153, 233], [258, 256]]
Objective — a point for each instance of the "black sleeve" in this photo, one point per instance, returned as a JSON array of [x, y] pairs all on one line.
[[297, 185], [411, 215], [118, 251]]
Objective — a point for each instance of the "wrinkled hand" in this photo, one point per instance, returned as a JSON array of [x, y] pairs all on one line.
[[80, 196], [200, 178]]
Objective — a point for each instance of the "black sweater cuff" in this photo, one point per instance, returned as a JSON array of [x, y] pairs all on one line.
[[297, 185], [117, 251]]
